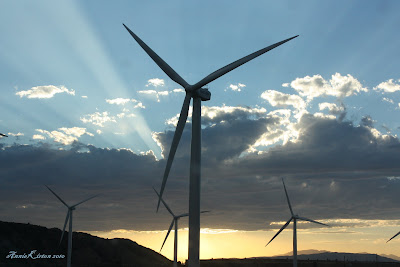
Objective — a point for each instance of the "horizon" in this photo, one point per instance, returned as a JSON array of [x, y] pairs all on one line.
[[88, 112]]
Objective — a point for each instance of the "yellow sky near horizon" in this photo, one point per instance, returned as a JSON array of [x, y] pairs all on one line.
[[346, 236]]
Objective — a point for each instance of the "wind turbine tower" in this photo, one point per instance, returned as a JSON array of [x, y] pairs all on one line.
[[68, 218], [198, 94], [295, 218]]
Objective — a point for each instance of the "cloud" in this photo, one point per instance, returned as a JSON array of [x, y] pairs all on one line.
[[124, 101], [15, 134], [388, 100], [388, 87], [65, 136], [155, 82], [237, 87], [179, 90], [38, 137], [215, 114], [118, 101], [338, 86], [98, 118], [278, 99], [155, 93], [47, 91], [84, 96]]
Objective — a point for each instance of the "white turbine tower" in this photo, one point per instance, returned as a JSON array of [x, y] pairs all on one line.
[[175, 219], [295, 218], [198, 94], [69, 217]]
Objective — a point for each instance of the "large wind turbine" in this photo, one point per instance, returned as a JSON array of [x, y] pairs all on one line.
[[69, 217], [295, 218], [198, 94], [175, 219]]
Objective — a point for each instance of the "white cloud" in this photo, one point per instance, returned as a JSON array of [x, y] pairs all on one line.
[[98, 118], [339, 86], [15, 134], [333, 108], [179, 90], [38, 137], [118, 101], [46, 91], [155, 82], [237, 87], [285, 84], [84, 96], [154, 93], [123, 101], [388, 87], [66, 137], [98, 131], [210, 113], [388, 100], [279, 99]]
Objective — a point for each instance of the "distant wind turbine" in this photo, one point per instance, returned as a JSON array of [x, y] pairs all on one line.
[[198, 94], [393, 236], [295, 218], [175, 219], [69, 217]]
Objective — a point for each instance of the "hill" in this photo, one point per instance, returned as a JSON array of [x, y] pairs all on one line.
[[87, 250]]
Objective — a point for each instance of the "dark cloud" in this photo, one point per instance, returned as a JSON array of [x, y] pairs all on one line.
[[335, 170]]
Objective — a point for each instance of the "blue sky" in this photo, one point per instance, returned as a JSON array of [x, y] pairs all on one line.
[[72, 78]]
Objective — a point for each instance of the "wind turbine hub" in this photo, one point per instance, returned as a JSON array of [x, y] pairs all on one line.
[[203, 93], [73, 208]]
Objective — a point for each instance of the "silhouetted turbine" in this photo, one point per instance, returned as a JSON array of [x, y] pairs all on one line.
[[68, 218], [175, 219], [295, 218], [198, 94]]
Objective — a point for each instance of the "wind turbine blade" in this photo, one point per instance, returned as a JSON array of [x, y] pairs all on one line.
[[165, 204], [169, 230], [393, 237], [283, 227], [65, 224], [222, 71], [175, 141], [57, 196], [3, 135], [159, 61], [309, 220], [83, 201], [187, 214], [287, 197]]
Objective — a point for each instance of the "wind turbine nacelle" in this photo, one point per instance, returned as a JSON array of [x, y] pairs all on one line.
[[203, 93]]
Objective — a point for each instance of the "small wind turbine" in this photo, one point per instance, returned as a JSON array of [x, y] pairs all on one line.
[[69, 217], [175, 219], [198, 94], [295, 218], [393, 236]]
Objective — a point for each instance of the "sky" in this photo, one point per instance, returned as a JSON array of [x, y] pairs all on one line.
[[88, 112]]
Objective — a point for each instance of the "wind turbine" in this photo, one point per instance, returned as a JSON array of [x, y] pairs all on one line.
[[69, 217], [198, 94], [175, 219], [393, 236], [295, 218]]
